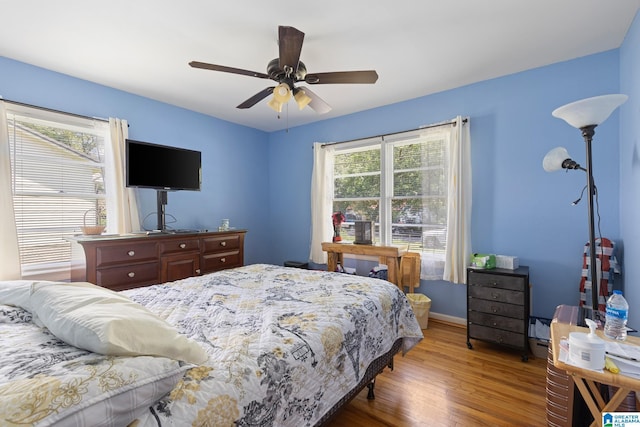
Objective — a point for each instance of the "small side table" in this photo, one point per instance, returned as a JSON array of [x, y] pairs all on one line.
[[586, 380]]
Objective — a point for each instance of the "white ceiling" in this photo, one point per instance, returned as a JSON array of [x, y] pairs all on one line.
[[418, 47]]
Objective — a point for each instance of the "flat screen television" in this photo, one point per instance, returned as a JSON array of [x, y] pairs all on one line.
[[162, 167]]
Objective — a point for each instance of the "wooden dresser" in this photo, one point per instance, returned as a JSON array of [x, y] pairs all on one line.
[[130, 261], [498, 307]]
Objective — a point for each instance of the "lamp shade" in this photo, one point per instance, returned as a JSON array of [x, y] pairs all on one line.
[[589, 111], [302, 99], [275, 105], [554, 159], [282, 93]]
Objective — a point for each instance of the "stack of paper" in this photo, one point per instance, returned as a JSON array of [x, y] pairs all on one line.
[[625, 356]]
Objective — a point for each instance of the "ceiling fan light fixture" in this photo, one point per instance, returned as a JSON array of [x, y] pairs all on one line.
[[302, 99], [275, 105], [282, 93], [287, 70]]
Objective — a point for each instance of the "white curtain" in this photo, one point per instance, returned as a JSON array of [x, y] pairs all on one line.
[[321, 204], [9, 253], [122, 209], [459, 210]]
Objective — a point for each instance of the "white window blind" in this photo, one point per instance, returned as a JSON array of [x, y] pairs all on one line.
[[57, 183]]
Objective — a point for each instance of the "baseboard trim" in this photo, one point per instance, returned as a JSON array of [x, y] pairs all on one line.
[[451, 320]]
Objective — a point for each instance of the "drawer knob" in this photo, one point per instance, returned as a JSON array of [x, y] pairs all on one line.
[[494, 310], [131, 253], [223, 243], [494, 296], [223, 260], [183, 245], [132, 274]]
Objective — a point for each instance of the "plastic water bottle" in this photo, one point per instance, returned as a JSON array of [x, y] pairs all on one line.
[[615, 324]]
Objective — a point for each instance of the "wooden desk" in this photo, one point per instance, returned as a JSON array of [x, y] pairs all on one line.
[[586, 380], [388, 255]]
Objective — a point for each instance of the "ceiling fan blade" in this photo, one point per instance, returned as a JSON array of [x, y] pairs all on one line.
[[368, 76], [290, 41], [256, 98], [316, 104], [204, 65]]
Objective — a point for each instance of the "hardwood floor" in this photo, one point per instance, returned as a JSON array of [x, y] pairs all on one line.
[[440, 382]]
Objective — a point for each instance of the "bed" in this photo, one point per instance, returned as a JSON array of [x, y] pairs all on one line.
[[259, 345]]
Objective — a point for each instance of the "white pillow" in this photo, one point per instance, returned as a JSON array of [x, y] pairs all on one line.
[[102, 321], [16, 293]]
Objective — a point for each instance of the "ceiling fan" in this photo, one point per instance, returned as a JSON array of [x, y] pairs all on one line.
[[287, 70]]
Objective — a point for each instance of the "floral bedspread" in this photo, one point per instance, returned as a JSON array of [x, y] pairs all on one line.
[[285, 344], [44, 381]]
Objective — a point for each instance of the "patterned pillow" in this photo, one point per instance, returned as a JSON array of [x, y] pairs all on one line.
[[45, 382]]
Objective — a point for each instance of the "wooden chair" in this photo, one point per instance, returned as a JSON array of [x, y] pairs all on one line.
[[409, 271]]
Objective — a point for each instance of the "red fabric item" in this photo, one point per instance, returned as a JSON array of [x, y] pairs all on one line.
[[604, 250]]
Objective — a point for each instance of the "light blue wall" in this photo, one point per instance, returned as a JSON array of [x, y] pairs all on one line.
[[234, 173], [518, 209], [630, 168]]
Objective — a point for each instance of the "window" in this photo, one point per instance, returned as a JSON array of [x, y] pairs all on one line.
[[57, 164], [400, 183]]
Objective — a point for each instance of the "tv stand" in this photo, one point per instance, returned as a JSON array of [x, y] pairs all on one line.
[[162, 203]]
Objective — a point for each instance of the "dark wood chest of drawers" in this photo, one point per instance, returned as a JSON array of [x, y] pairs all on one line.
[[124, 262], [498, 307]]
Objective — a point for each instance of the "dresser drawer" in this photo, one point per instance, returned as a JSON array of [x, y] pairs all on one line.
[[179, 245], [500, 322], [497, 294], [499, 336], [109, 255], [128, 276], [220, 243], [497, 308], [178, 266], [489, 280], [220, 261]]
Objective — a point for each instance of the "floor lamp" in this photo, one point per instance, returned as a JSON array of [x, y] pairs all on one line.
[[585, 115]]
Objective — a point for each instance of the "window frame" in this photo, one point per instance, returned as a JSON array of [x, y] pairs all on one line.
[[386, 171], [54, 268]]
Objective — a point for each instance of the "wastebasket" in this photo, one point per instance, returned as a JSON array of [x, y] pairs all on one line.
[[420, 304], [539, 336]]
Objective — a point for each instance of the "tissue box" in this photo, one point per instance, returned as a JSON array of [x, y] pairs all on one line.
[[483, 261], [508, 262]]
